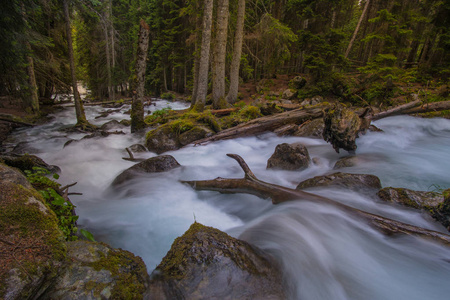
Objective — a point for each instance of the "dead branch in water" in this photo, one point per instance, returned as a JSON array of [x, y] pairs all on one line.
[[250, 184]]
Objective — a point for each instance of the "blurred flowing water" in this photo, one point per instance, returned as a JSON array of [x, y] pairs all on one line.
[[325, 253]]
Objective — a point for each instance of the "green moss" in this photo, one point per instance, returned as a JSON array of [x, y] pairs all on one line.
[[199, 245], [250, 112], [125, 268], [180, 126]]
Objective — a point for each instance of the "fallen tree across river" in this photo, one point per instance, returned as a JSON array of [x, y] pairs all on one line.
[[250, 184]]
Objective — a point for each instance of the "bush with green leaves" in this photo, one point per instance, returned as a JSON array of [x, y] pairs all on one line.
[[64, 209]]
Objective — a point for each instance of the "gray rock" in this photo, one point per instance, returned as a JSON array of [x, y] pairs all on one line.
[[196, 133], [316, 100], [289, 157], [356, 182], [27, 162], [156, 164], [162, 139], [347, 162], [97, 271], [113, 124], [341, 128], [288, 94], [435, 204], [313, 128], [206, 263], [415, 199]]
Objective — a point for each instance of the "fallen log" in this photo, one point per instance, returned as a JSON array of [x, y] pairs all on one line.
[[395, 111], [223, 112], [250, 184], [267, 123], [429, 107]]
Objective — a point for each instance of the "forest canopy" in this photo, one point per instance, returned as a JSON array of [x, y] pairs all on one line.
[[380, 40]]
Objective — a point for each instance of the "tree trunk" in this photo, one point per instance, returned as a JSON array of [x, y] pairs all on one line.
[[113, 47], [108, 61], [202, 83], [198, 42], [220, 51], [32, 100], [137, 106], [250, 184], [237, 52], [355, 33], [79, 110]]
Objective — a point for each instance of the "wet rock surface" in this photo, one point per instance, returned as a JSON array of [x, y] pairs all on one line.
[[156, 164], [289, 157], [312, 128], [435, 204], [27, 162], [206, 263], [341, 128], [355, 182]]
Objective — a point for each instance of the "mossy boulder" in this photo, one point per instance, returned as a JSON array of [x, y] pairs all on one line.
[[97, 271], [289, 157], [206, 263], [194, 134], [312, 128], [435, 204], [162, 139], [32, 245], [27, 162], [156, 164], [355, 182], [341, 129]]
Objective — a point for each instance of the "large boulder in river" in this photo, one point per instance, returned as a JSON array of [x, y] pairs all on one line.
[[156, 164], [97, 271], [356, 182], [341, 128], [435, 204], [289, 157], [37, 263], [206, 263], [32, 246]]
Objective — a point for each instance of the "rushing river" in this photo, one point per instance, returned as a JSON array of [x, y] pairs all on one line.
[[325, 253]]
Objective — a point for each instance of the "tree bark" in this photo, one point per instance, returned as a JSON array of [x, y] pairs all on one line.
[[250, 184], [237, 53], [355, 33], [202, 83], [264, 124], [79, 110], [220, 50], [137, 106]]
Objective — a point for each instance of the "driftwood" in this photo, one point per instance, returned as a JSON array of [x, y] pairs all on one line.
[[223, 112], [250, 184], [429, 107], [267, 123], [131, 158], [395, 111]]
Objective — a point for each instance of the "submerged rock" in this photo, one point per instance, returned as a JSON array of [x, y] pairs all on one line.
[[341, 128], [156, 164], [206, 263], [113, 124], [289, 157], [347, 162], [356, 182], [435, 204]]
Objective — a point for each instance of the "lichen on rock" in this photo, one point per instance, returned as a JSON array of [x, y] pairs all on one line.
[[206, 263]]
